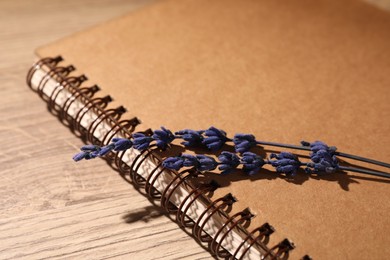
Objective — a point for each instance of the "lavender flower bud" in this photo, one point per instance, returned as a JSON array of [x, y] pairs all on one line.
[[173, 163], [323, 158], [79, 156], [206, 163], [251, 163], [228, 162], [90, 148], [141, 141], [285, 162], [106, 149], [322, 162], [122, 144], [88, 152], [318, 145], [163, 138], [190, 160], [191, 138], [243, 142], [91, 155], [215, 139]]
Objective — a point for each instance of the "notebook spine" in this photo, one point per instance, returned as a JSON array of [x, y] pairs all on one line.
[[257, 238]]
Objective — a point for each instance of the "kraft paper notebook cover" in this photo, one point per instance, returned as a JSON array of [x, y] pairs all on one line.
[[284, 71]]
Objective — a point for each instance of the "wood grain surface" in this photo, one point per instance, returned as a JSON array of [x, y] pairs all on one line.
[[51, 207]]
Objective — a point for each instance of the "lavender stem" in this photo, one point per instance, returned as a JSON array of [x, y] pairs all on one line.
[[346, 155], [358, 158], [298, 147], [369, 172]]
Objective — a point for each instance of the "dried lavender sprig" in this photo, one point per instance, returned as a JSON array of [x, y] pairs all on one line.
[[284, 162], [243, 142], [324, 160], [308, 146], [251, 163], [140, 141], [93, 151], [215, 138]]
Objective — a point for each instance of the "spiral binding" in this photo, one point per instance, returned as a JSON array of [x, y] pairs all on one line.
[[258, 238]]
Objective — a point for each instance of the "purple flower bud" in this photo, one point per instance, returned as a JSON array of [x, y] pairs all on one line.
[[318, 145], [79, 156], [90, 148], [243, 142], [91, 155], [141, 141], [191, 138], [322, 162], [206, 163], [285, 162], [85, 155], [163, 138], [106, 149], [173, 163], [228, 162], [122, 144], [323, 158], [251, 163], [215, 139], [190, 160], [199, 162]]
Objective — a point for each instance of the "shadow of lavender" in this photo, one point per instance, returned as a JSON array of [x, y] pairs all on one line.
[[144, 214]]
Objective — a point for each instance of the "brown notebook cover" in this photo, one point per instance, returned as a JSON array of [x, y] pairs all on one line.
[[284, 71]]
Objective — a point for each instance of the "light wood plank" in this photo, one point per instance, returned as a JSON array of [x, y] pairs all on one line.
[[51, 207], [121, 226]]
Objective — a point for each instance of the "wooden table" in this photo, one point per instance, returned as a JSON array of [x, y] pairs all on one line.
[[50, 206]]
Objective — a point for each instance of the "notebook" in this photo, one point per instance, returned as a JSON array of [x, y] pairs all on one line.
[[284, 71]]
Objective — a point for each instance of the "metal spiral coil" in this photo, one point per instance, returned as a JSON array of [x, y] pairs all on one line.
[[110, 121], [239, 218]]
